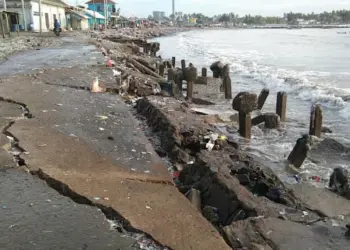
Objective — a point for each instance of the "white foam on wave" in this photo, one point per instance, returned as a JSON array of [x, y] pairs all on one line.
[[306, 85]]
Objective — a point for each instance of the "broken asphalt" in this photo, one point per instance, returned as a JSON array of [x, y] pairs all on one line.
[[88, 147]]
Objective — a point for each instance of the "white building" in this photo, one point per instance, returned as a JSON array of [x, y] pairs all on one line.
[[50, 10], [158, 15]]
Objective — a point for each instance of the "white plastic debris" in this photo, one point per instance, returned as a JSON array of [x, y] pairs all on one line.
[[283, 212], [97, 198], [101, 129], [335, 224]]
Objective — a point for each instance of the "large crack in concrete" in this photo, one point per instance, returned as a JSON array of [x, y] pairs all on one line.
[[121, 224]]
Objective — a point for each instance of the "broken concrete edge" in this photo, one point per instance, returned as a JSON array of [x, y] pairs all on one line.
[[242, 203], [63, 189], [109, 212]]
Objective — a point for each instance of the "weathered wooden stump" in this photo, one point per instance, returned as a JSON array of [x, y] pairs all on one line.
[[245, 125], [173, 61], [216, 68], [204, 72], [227, 82], [190, 75], [281, 105], [272, 120], [195, 198], [161, 69], [183, 65], [171, 74], [258, 119], [262, 98], [146, 49], [316, 118], [299, 152], [245, 103]]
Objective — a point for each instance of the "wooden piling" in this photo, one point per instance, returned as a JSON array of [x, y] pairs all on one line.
[[316, 118], [145, 49], [189, 91], [245, 125], [161, 69], [227, 87], [195, 198], [262, 98], [281, 105], [183, 65], [173, 61], [204, 72]]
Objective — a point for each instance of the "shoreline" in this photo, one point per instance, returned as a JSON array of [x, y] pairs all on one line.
[[182, 148], [213, 194]]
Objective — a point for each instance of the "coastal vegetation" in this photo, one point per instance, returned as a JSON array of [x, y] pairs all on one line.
[[332, 17]]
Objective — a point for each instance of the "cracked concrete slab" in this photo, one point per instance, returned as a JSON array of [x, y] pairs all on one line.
[[328, 203], [91, 143], [37, 217]]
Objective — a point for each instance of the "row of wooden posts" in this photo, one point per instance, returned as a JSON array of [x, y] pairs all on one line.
[[245, 121]]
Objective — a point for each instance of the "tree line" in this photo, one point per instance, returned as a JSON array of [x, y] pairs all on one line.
[[335, 16]]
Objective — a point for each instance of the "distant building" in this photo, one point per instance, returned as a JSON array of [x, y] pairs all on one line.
[[158, 15], [80, 18], [50, 10], [99, 7]]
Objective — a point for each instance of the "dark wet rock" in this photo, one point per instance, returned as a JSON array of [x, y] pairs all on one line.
[[329, 151], [210, 213], [326, 130], [339, 182], [300, 151], [161, 152], [245, 102], [272, 120], [216, 68]]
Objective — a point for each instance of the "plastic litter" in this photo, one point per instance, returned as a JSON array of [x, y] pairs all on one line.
[[148, 207], [335, 224], [97, 198], [305, 213], [102, 117], [101, 129], [315, 178]]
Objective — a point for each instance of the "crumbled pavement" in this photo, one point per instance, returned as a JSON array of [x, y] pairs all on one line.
[[37, 217], [69, 139]]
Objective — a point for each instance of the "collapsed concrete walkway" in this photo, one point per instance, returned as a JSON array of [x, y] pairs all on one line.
[[88, 147]]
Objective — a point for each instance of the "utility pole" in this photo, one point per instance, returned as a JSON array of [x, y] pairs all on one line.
[[6, 18], [174, 9], [105, 12], [40, 15], [24, 17]]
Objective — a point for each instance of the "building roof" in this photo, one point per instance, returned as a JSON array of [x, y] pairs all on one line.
[[55, 3], [100, 1], [96, 15], [80, 14]]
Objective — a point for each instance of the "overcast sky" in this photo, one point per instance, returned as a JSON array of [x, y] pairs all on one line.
[[240, 7]]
